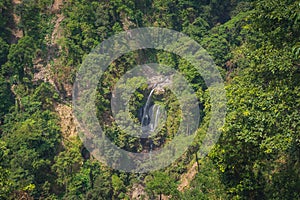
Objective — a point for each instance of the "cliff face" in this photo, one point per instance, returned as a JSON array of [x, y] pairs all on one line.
[[45, 71]]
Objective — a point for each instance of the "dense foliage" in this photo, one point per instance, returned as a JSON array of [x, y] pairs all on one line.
[[254, 43]]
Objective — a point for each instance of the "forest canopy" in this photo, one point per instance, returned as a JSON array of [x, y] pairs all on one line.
[[256, 47]]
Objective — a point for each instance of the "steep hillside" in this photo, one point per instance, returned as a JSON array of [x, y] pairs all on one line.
[[255, 46]]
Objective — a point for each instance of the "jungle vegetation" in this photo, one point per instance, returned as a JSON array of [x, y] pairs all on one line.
[[255, 45]]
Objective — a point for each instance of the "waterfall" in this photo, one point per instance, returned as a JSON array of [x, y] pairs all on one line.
[[154, 112], [145, 113], [150, 119], [150, 115], [157, 113]]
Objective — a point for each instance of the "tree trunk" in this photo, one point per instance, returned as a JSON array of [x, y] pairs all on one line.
[[197, 160]]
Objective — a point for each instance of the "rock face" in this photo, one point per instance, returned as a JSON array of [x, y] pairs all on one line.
[[156, 80], [138, 192], [67, 123], [162, 82]]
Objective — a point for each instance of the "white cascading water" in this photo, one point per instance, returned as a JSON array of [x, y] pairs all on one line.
[[146, 109], [154, 112], [157, 113], [150, 118]]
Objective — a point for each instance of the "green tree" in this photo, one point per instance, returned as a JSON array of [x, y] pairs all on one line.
[[5, 182], [207, 184], [20, 58], [258, 149], [6, 97], [3, 51], [118, 187], [160, 183], [32, 141], [29, 13], [5, 18], [197, 29], [67, 163]]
